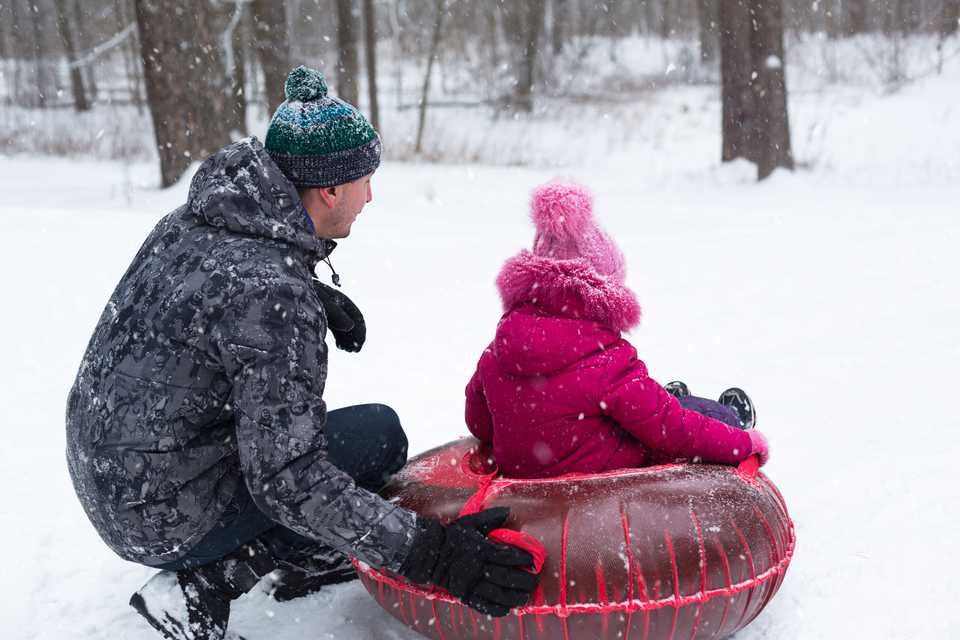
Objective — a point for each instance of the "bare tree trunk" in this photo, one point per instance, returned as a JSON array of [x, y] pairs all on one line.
[[39, 53], [736, 68], [227, 24], [650, 16], [558, 24], [434, 46], [535, 10], [770, 88], [16, 30], [347, 58], [666, 19], [272, 44], [856, 16], [239, 88], [4, 50], [950, 18], [707, 15], [76, 78], [183, 68], [755, 120], [833, 22], [82, 43], [131, 53], [493, 33], [370, 41]]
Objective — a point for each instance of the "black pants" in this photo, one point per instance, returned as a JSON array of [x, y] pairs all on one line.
[[366, 441]]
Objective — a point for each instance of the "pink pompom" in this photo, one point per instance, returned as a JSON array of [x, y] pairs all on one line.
[[560, 210]]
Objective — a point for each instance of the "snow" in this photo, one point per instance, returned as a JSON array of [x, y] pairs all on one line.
[[829, 294]]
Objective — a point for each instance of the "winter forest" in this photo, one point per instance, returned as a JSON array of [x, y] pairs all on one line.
[[782, 178]]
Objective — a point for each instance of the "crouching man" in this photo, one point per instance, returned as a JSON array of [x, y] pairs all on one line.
[[198, 439]]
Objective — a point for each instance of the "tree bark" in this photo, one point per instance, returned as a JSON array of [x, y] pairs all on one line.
[[832, 19], [272, 45], [424, 96], [347, 58], [754, 94], [650, 22], [180, 49], [39, 53], [4, 49], [558, 25], [228, 21], [82, 43], [770, 89], [950, 18], [856, 17], [736, 68], [666, 19], [16, 32], [76, 76], [370, 43], [707, 17], [533, 24]]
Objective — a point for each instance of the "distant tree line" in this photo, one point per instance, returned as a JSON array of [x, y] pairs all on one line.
[[197, 65]]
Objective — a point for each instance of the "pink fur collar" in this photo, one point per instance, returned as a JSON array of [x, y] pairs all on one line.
[[567, 287]]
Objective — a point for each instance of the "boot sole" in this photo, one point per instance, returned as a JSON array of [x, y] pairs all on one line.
[[138, 603], [174, 629]]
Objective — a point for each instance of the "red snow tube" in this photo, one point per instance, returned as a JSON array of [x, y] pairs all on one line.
[[672, 551]]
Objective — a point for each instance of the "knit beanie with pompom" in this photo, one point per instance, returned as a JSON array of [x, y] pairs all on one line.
[[317, 140], [566, 230]]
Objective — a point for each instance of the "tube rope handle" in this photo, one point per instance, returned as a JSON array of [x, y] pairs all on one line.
[[749, 467]]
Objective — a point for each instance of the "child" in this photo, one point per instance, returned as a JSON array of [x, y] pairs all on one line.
[[559, 390]]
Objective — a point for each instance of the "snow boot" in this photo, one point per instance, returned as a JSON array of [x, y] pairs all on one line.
[[194, 604], [739, 401], [677, 389], [302, 577]]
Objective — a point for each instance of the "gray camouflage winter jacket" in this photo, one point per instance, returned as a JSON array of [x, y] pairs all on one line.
[[207, 369]]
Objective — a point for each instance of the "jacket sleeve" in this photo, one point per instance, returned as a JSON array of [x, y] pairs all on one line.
[[654, 417], [271, 345], [477, 413]]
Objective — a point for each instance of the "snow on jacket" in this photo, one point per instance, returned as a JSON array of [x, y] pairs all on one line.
[[207, 369], [560, 391]]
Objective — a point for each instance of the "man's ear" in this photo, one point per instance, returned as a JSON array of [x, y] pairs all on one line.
[[328, 195]]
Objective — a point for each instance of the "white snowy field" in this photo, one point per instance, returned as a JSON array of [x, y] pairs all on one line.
[[831, 295]]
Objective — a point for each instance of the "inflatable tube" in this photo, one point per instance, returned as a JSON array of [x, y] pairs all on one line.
[[672, 551]]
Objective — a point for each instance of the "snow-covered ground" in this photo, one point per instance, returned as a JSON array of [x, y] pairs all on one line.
[[830, 294]]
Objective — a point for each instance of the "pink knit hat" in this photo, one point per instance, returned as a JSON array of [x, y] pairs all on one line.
[[566, 230]]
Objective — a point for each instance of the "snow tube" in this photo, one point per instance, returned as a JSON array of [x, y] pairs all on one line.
[[671, 551]]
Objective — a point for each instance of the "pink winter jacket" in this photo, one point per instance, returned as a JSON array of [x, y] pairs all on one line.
[[560, 391]]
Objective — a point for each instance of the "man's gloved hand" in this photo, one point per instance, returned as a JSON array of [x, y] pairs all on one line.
[[486, 576], [343, 318]]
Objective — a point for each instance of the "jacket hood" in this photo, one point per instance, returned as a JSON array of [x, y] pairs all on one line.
[[569, 289], [529, 343], [241, 189]]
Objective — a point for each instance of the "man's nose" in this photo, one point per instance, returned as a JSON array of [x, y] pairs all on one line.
[[369, 192]]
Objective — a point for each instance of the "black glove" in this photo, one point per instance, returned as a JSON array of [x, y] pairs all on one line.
[[343, 318], [458, 557]]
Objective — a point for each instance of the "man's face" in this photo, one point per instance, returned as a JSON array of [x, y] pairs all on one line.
[[334, 210], [352, 198]]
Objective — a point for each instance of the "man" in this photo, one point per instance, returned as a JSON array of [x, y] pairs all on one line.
[[198, 439]]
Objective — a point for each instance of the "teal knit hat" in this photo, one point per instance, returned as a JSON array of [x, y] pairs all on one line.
[[318, 140]]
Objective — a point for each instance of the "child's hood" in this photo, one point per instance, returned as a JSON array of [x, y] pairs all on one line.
[[558, 311]]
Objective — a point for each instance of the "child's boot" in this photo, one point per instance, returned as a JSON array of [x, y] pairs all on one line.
[[738, 400], [677, 389]]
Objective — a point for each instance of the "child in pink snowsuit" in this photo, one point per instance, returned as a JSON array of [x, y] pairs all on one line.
[[559, 390]]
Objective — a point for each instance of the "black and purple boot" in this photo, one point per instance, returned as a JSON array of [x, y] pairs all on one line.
[[738, 400]]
